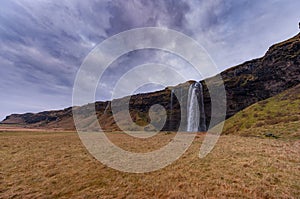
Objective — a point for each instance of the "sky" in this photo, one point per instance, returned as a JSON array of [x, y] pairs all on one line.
[[44, 42]]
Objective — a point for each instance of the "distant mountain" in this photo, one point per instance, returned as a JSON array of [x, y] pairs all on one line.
[[245, 84]]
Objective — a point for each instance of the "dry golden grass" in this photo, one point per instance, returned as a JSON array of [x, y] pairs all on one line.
[[56, 165]]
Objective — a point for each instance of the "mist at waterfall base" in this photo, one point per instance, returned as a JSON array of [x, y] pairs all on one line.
[[196, 119]]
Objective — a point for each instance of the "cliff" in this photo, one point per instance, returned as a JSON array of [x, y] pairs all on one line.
[[245, 84]]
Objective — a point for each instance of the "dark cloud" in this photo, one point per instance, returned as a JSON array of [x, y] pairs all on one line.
[[135, 14]]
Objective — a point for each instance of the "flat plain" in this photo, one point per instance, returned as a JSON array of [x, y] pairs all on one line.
[[56, 165]]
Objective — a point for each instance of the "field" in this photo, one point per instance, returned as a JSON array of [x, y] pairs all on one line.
[[56, 165]]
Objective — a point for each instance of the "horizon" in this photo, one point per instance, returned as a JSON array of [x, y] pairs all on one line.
[[41, 52]]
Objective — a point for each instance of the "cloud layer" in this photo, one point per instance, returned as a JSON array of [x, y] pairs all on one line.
[[43, 42]]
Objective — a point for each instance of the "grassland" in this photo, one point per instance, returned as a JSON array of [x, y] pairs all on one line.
[[244, 163], [56, 165], [279, 115]]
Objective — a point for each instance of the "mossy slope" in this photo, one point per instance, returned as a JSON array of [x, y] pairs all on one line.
[[279, 115]]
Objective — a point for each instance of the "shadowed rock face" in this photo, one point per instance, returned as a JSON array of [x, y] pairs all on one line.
[[265, 77], [245, 84]]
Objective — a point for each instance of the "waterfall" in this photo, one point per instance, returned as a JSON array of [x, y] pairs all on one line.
[[106, 108], [195, 115], [202, 111], [171, 109], [171, 106]]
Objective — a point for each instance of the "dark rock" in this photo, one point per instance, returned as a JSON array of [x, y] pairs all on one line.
[[271, 135]]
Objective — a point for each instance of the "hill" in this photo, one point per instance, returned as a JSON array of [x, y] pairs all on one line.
[[278, 116]]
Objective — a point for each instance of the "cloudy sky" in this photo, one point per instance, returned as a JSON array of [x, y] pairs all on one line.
[[44, 42]]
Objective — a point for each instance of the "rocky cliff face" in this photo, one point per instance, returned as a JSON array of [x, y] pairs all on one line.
[[245, 84], [265, 77]]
